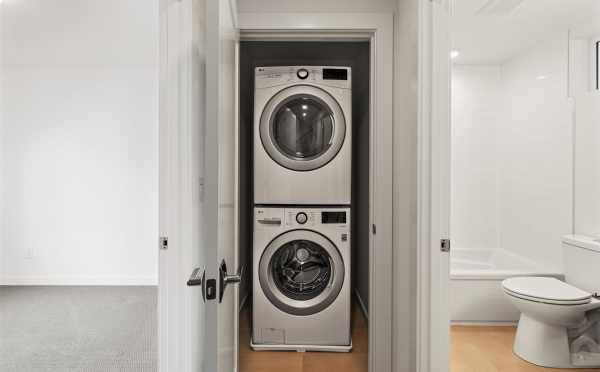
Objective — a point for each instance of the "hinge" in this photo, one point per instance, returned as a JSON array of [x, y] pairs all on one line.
[[163, 242], [445, 245], [374, 229]]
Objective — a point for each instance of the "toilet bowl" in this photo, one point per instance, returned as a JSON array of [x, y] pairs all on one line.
[[558, 327], [549, 309]]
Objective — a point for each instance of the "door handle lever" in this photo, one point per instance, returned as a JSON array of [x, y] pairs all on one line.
[[225, 279], [196, 278]]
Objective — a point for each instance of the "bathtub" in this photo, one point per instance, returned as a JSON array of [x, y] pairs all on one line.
[[476, 275]]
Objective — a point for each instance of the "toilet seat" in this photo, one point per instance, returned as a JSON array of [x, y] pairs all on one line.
[[545, 290]]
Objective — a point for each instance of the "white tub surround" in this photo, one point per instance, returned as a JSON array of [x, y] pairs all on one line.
[[475, 284]]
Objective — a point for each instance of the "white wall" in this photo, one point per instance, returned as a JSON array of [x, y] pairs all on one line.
[[512, 154], [536, 163], [587, 133], [79, 142], [476, 96]]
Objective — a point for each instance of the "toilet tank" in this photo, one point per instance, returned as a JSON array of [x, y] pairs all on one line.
[[582, 262]]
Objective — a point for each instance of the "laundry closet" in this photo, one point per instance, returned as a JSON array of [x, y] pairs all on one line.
[[304, 137]]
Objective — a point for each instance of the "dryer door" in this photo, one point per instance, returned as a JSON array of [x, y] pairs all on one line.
[[302, 128], [301, 272]]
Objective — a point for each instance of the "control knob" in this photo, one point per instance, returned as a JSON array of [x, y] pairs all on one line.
[[301, 218]]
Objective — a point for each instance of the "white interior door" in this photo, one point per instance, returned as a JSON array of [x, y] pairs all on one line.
[[220, 160], [198, 168], [440, 186]]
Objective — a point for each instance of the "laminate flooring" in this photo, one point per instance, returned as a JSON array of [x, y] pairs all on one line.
[[292, 361], [489, 349]]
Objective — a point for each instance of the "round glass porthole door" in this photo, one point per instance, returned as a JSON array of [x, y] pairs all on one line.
[[301, 272], [302, 128]]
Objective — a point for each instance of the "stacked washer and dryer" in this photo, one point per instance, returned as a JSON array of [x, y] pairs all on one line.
[[302, 192]]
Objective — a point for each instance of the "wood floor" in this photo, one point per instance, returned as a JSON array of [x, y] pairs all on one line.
[[489, 349], [474, 349], [291, 361]]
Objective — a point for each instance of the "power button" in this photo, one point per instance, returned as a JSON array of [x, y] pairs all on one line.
[[301, 218]]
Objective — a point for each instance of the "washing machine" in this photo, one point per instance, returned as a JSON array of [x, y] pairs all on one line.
[[301, 279], [302, 135]]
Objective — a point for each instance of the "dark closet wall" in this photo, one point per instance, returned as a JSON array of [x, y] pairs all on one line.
[[353, 54]]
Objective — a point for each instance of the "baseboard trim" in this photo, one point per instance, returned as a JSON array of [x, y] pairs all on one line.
[[483, 324], [77, 281], [243, 302], [361, 303]]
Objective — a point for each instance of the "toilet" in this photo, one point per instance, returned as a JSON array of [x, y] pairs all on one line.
[[559, 325]]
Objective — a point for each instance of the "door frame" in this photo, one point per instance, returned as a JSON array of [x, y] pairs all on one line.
[[433, 187], [378, 29]]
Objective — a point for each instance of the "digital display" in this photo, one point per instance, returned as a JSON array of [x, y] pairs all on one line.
[[333, 217], [335, 74]]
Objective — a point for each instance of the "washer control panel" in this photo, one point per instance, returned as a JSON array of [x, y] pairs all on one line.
[[269, 217], [306, 217]]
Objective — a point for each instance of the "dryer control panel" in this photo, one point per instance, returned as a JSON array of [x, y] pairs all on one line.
[[334, 76]]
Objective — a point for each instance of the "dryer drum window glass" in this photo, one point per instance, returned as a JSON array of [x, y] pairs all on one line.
[[302, 127]]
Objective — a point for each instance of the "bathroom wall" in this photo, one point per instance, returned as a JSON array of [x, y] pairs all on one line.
[[587, 132], [79, 150], [536, 153], [475, 116], [512, 154]]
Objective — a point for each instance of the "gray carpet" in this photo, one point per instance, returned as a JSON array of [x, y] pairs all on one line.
[[83, 329]]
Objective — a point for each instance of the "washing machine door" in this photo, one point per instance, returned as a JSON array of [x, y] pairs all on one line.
[[301, 272], [302, 128]]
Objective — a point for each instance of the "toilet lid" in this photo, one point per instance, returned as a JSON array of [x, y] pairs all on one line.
[[544, 289]]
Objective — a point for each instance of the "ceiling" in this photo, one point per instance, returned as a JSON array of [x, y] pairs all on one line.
[[493, 31]]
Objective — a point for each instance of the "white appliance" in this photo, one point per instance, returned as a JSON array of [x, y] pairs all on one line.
[[560, 321], [301, 279], [302, 135]]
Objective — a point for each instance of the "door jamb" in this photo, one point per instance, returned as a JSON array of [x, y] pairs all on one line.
[[433, 186], [378, 29]]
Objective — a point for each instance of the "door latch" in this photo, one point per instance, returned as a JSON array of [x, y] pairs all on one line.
[[445, 245], [208, 286], [163, 242]]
